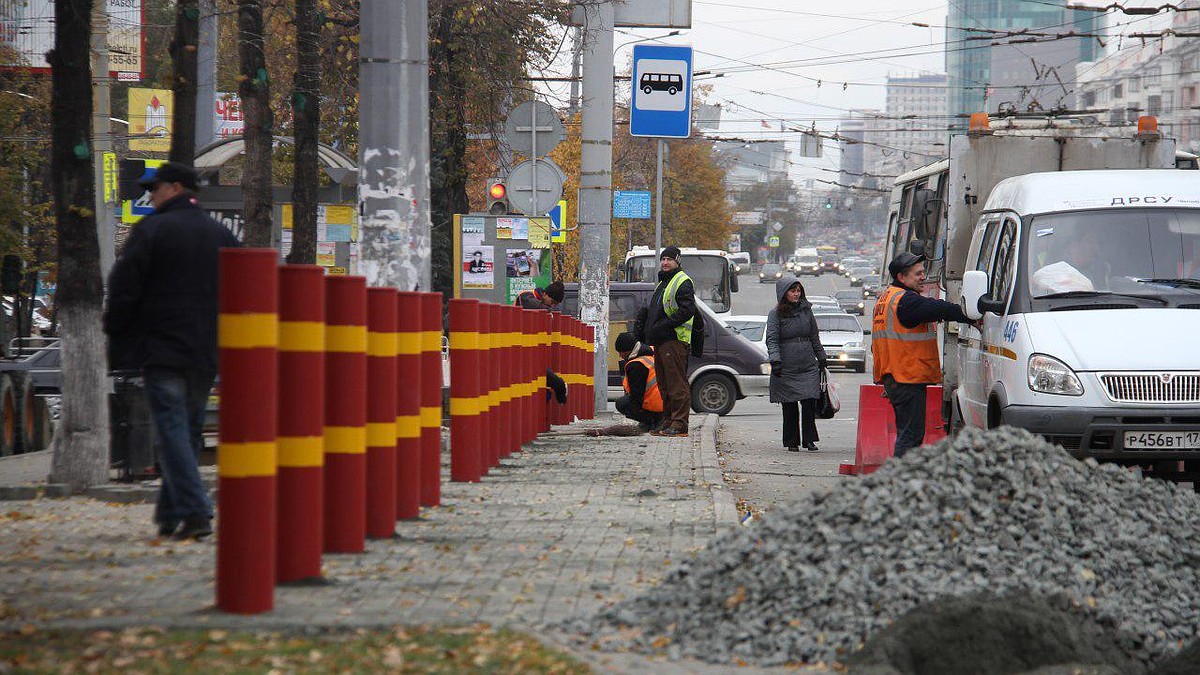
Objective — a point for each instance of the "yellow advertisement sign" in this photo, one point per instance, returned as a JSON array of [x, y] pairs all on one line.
[[150, 112], [111, 177]]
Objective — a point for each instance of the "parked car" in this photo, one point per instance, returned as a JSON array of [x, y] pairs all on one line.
[[857, 274], [851, 301], [730, 369], [870, 285], [844, 342], [770, 273]]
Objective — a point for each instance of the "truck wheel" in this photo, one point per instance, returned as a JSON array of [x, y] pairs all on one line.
[[23, 388], [8, 417], [43, 424], [713, 393]]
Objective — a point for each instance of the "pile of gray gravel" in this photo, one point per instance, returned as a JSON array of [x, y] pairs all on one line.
[[1001, 512]]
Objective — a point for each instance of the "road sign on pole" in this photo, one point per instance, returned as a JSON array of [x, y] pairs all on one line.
[[631, 204], [539, 177], [557, 234], [529, 119], [662, 92], [773, 242]]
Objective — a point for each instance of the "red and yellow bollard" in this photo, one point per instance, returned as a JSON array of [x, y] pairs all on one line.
[[301, 421], [248, 338], [408, 405], [512, 390], [490, 448], [558, 411], [431, 399], [381, 412], [544, 393], [466, 395], [589, 372], [345, 414], [525, 361]]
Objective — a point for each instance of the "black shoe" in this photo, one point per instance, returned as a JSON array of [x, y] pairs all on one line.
[[644, 427], [793, 448], [166, 529], [811, 447], [194, 528], [673, 432]]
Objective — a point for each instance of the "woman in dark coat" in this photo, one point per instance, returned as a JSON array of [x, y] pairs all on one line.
[[794, 347]]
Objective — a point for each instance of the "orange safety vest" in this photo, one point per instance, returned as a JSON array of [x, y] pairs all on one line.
[[910, 355], [652, 400]]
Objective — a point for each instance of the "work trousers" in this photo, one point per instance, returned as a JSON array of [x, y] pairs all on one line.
[[800, 423], [670, 365], [908, 403], [634, 411]]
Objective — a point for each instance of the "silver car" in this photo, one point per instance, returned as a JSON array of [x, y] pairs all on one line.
[[844, 341], [851, 301]]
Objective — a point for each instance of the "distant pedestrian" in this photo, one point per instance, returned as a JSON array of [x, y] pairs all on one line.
[[905, 347], [668, 328], [797, 357], [642, 401], [548, 298], [161, 318]]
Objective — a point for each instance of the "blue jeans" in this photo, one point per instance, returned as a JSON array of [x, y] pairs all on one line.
[[177, 401], [908, 402]]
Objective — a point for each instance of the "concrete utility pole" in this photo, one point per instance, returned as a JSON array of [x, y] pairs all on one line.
[[393, 156], [576, 68], [102, 138], [206, 73], [595, 183]]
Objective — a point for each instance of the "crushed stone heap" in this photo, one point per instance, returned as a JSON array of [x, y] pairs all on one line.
[[1000, 511]]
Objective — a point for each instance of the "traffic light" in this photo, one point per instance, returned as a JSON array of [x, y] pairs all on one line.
[[497, 197], [828, 203]]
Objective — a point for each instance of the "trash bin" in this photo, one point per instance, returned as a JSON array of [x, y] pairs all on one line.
[[131, 431]]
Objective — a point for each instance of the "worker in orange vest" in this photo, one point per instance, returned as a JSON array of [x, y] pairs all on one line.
[[905, 347], [548, 298], [642, 401]]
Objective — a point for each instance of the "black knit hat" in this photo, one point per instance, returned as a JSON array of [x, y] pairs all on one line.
[[671, 252], [626, 342], [555, 291]]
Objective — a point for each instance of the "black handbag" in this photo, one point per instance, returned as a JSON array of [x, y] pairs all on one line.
[[827, 405]]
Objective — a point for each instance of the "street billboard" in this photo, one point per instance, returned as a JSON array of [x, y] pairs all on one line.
[[27, 27], [150, 118]]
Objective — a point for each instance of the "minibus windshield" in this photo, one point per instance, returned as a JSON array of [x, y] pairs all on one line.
[[1140, 251]]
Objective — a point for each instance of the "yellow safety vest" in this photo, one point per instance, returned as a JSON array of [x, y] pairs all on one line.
[[683, 332]]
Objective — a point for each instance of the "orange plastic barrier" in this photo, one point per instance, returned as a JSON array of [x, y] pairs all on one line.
[[876, 438]]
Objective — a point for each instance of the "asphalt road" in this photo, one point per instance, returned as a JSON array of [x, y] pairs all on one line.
[[760, 471]]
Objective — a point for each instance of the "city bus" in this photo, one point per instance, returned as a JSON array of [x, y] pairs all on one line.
[[711, 270]]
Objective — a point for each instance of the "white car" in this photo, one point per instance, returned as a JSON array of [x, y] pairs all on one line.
[[844, 341], [753, 327]]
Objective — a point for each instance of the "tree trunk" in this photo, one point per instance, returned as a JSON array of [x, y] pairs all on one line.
[[183, 56], [306, 107], [448, 147], [80, 444], [254, 87]]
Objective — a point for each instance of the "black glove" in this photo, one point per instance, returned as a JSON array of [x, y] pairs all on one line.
[[824, 362], [776, 368]]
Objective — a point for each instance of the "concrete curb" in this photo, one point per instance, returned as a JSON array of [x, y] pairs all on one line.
[[724, 504]]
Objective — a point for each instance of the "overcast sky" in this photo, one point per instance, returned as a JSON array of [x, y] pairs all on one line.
[[760, 43]]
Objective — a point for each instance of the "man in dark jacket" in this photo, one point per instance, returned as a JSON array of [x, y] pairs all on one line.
[[642, 401], [161, 318], [905, 347], [547, 298], [668, 328]]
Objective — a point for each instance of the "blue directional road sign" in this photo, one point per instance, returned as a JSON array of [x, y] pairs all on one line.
[[662, 92], [631, 204]]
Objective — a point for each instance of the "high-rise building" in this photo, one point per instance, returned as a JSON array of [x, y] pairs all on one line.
[[1039, 73], [916, 123]]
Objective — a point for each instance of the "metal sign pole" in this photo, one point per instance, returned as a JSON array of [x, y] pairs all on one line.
[[533, 153], [658, 199]]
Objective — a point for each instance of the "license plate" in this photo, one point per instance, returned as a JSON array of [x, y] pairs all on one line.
[[1162, 440]]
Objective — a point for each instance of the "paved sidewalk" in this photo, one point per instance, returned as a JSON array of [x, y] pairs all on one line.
[[566, 526]]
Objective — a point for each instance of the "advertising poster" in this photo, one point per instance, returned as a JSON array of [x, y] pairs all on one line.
[[150, 112], [520, 228], [526, 269], [472, 233], [539, 233], [504, 228], [477, 267], [326, 253]]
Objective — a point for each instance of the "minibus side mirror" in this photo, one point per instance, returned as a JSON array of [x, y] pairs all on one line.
[[974, 287]]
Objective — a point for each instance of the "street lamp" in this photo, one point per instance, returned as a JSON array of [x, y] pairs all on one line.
[[648, 39]]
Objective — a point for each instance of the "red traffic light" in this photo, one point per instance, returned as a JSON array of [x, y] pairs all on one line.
[[497, 191]]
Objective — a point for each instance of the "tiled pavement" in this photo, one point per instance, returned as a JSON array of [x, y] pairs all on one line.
[[565, 526]]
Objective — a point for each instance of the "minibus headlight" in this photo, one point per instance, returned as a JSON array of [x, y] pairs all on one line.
[[1051, 376]]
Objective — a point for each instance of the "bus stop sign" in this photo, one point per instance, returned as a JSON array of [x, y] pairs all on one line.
[[662, 92]]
